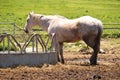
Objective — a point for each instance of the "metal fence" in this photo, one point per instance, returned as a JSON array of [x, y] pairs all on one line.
[[111, 26], [111, 30], [9, 40], [34, 38]]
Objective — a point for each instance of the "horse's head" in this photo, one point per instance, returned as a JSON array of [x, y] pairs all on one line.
[[31, 21]]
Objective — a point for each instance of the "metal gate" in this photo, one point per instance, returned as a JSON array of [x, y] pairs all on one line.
[[20, 56]]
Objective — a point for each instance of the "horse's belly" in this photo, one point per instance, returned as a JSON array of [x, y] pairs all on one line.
[[73, 40], [69, 38]]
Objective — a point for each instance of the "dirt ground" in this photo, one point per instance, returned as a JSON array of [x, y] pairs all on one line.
[[76, 66]]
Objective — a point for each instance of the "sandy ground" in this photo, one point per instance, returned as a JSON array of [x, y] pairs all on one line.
[[76, 67]]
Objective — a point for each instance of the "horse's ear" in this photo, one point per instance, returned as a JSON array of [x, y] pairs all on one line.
[[30, 14]]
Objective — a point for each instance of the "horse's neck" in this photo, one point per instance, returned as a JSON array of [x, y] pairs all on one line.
[[45, 22]]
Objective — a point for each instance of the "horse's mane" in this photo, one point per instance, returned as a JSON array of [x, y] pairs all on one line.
[[60, 16], [47, 16]]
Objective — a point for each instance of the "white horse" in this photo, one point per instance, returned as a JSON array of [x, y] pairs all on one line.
[[84, 28]]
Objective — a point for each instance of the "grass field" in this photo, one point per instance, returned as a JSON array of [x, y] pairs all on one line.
[[108, 11], [16, 10]]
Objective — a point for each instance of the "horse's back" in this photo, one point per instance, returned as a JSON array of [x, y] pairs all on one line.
[[88, 20], [89, 24]]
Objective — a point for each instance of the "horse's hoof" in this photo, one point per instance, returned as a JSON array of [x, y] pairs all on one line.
[[58, 60], [93, 62], [63, 62]]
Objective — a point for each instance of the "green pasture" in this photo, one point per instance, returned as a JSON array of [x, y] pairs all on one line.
[[108, 11]]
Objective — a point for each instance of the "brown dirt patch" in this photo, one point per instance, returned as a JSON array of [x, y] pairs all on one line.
[[76, 67]]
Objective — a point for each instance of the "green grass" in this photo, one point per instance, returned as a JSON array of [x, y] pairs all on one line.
[[108, 11], [105, 10], [17, 10]]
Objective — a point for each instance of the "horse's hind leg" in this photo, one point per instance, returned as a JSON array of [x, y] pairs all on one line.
[[93, 59], [95, 45]]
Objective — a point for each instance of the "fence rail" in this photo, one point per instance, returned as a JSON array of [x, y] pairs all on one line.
[[111, 24], [111, 28]]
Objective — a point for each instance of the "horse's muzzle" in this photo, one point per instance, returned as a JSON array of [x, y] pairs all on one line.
[[26, 31]]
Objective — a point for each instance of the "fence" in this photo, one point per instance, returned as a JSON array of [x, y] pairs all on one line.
[[111, 30], [113, 26]]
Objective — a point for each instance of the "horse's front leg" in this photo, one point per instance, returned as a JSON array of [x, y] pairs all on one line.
[[57, 52], [61, 52], [55, 45]]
